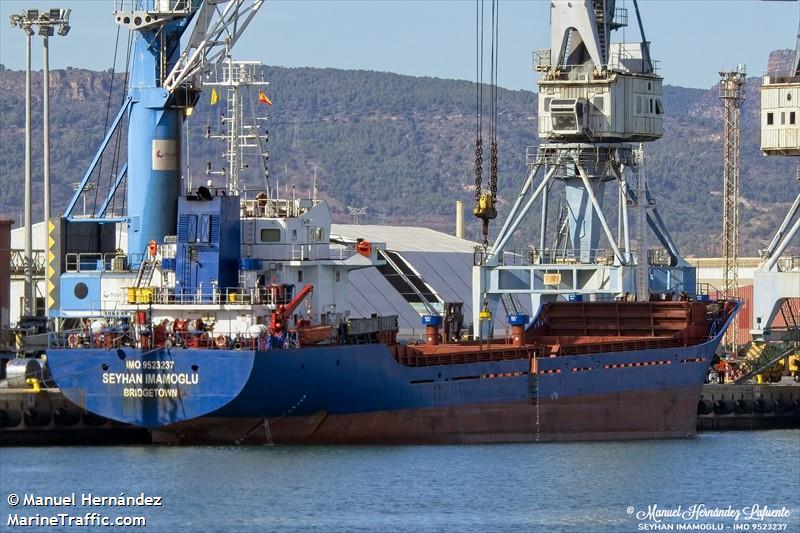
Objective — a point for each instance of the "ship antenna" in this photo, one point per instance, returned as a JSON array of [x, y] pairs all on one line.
[[314, 185]]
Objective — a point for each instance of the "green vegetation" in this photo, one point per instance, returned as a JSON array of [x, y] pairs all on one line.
[[404, 148]]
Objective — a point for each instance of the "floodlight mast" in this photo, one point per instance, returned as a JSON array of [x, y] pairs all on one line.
[[45, 21]]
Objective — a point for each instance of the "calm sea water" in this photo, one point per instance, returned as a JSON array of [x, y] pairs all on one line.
[[540, 487]]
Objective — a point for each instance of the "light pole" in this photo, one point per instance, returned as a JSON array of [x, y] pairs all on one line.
[[45, 21], [23, 22], [87, 188]]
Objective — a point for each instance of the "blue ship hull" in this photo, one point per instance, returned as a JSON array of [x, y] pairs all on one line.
[[361, 393]]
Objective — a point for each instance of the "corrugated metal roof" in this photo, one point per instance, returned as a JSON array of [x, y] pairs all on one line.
[[443, 261], [405, 238]]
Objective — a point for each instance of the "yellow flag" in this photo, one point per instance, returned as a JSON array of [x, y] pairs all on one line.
[[263, 98], [214, 96]]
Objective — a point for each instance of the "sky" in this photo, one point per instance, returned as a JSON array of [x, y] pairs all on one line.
[[692, 39]]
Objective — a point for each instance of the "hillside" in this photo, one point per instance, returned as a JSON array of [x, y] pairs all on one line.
[[403, 147]]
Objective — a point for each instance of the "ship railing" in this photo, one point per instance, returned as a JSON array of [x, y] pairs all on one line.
[[275, 207], [306, 252], [342, 253], [112, 337], [93, 262], [301, 252], [230, 296]]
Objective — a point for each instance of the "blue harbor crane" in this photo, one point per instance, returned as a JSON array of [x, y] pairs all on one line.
[[164, 83]]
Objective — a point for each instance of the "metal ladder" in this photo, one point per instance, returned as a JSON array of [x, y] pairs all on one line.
[[562, 233], [600, 17], [145, 275]]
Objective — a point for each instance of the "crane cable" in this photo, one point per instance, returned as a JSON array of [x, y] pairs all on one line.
[[493, 103], [478, 102], [485, 203]]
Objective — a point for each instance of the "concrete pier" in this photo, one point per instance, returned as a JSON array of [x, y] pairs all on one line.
[[739, 407], [47, 418]]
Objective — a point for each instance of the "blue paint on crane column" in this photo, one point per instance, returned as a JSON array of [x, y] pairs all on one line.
[[154, 143]]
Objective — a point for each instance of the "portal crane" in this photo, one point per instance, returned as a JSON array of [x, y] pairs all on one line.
[[596, 98], [776, 282]]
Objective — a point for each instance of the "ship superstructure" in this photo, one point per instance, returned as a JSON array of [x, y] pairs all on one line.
[[239, 262]]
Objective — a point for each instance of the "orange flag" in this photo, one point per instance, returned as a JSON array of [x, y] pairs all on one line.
[[263, 98]]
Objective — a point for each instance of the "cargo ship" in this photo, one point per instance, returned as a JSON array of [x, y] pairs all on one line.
[[224, 317], [582, 371]]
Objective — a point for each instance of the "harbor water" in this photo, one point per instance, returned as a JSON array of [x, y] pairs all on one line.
[[600, 486]]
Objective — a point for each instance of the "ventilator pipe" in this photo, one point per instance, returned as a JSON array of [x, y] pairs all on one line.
[[431, 323], [518, 323]]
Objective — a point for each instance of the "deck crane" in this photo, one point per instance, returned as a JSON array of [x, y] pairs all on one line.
[[164, 85], [596, 99], [282, 313]]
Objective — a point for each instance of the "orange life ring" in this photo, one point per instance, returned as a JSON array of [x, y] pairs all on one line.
[[73, 340], [152, 248], [221, 341], [363, 248]]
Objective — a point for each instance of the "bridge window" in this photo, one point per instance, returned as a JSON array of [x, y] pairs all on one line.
[[270, 235], [770, 119], [791, 117]]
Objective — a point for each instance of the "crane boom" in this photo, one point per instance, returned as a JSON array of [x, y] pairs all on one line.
[[214, 33]]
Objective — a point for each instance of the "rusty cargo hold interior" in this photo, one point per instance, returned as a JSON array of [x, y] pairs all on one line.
[[570, 328]]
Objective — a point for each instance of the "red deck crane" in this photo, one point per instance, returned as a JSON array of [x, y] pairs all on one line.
[[282, 312]]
